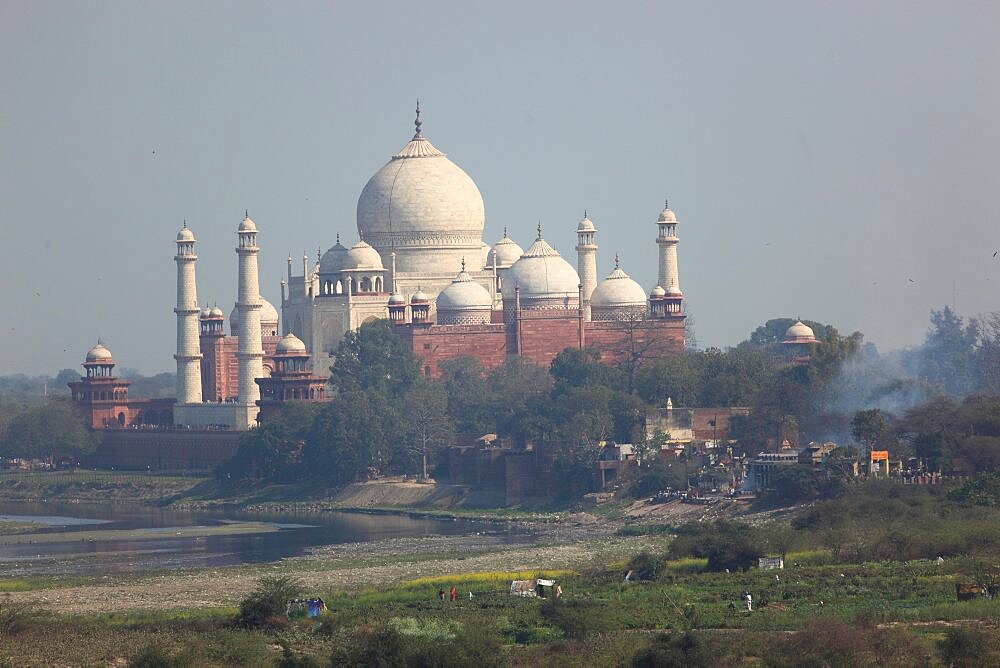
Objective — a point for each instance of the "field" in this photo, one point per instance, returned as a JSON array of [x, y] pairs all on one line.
[[843, 599], [600, 620]]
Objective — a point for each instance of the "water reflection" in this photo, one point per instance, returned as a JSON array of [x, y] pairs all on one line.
[[292, 534]]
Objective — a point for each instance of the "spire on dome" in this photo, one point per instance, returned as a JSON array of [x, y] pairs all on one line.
[[585, 214], [505, 232], [539, 230], [617, 264], [417, 122], [338, 237], [463, 264]]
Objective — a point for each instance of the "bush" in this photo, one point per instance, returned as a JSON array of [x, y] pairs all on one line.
[[726, 544], [821, 643], [265, 607], [155, 656], [386, 647], [645, 566], [674, 651], [16, 617], [970, 647], [577, 619]]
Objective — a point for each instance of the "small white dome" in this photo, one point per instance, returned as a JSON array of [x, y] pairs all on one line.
[[205, 312], [667, 216], [99, 353], [507, 251], [464, 294], [586, 225], [657, 292], [419, 297], [185, 234], [363, 257], [396, 299], [247, 225], [541, 273], [290, 345], [618, 290], [333, 259], [215, 312], [674, 290], [799, 333], [268, 316]]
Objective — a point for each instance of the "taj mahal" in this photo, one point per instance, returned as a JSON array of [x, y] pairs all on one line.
[[420, 262]]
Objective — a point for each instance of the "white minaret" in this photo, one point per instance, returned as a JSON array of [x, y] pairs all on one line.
[[666, 239], [188, 347], [249, 352], [586, 263]]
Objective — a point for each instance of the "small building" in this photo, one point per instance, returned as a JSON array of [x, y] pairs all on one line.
[[765, 464]]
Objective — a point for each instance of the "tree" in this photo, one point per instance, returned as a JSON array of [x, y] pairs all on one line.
[[51, 429], [868, 426], [948, 356], [274, 450], [469, 396], [349, 439], [725, 543], [373, 358], [424, 419]]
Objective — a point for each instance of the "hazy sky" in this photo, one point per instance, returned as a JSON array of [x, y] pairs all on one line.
[[833, 160]]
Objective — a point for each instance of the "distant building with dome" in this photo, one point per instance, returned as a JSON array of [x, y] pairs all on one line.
[[419, 261]]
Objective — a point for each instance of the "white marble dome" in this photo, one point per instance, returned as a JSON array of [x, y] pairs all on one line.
[[617, 297], [424, 207], [215, 312], [799, 333], [290, 345], [507, 251], [419, 297], [185, 234], [658, 291], [618, 290], [464, 302], [586, 225], [544, 278], [99, 353], [268, 316], [332, 260], [205, 313], [247, 225], [396, 299], [667, 215], [362, 257]]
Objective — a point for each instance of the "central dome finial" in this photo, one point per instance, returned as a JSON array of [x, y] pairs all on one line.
[[539, 230], [417, 122]]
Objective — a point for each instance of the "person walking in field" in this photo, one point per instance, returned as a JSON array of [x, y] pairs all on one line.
[[749, 599], [440, 594], [454, 594]]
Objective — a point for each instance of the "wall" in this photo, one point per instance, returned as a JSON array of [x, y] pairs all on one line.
[[166, 450]]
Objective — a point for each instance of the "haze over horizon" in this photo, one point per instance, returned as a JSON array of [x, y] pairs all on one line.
[[835, 162]]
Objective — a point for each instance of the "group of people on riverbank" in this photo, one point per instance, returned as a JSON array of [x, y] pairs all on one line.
[[452, 594]]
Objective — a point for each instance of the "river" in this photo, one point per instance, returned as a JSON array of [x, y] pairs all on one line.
[[68, 539]]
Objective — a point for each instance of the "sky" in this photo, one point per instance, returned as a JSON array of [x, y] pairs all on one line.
[[836, 161]]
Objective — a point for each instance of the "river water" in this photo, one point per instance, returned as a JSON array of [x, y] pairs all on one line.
[[158, 545]]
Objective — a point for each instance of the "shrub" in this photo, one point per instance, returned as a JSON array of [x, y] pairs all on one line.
[[266, 605], [16, 617], [577, 619], [156, 656], [726, 544], [674, 651], [970, 647], [645, 566]]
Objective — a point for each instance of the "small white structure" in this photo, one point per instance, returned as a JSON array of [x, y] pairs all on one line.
[[770, 563]]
